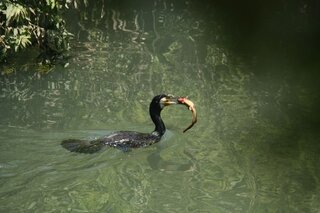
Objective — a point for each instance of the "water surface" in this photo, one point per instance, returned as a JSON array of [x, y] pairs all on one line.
[[255, 147]]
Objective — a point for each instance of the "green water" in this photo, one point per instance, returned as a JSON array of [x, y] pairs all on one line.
[[255, 147]]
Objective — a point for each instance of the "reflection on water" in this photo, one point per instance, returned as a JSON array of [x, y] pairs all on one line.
[[254, 149]]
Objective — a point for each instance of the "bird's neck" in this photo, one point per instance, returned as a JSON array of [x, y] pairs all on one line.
[[160, 128]]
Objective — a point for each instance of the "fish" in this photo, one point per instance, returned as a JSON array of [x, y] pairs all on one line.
[[185, 101]]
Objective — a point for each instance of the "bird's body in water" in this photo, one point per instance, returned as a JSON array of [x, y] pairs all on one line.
[[123, 140], [126, 140]]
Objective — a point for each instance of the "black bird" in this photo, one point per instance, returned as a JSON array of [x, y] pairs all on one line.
[[125, 140]]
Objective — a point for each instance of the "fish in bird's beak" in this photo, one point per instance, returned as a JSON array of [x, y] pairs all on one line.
[[171, 100], [185, 101]]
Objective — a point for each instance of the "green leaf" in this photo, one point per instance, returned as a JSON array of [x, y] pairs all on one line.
[[32, 11], [15, 31], [25, 40], [53, 4], [15, 12]]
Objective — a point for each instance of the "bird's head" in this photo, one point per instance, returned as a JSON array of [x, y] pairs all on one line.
[[163, 100]]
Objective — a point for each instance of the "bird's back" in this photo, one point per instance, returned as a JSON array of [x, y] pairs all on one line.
[[129, 139], [124, 140]]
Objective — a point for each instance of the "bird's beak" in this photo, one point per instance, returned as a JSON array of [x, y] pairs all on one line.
[[169, 100]]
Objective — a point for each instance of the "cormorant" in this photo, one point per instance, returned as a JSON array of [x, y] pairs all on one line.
[[125, 140]]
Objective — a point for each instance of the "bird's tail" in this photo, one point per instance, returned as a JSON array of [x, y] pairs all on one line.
[[82, 146]]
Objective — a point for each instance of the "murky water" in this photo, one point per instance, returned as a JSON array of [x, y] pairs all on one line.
[[255, 147]]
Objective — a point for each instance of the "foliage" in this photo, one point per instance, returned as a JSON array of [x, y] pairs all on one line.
[[25, 23]]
